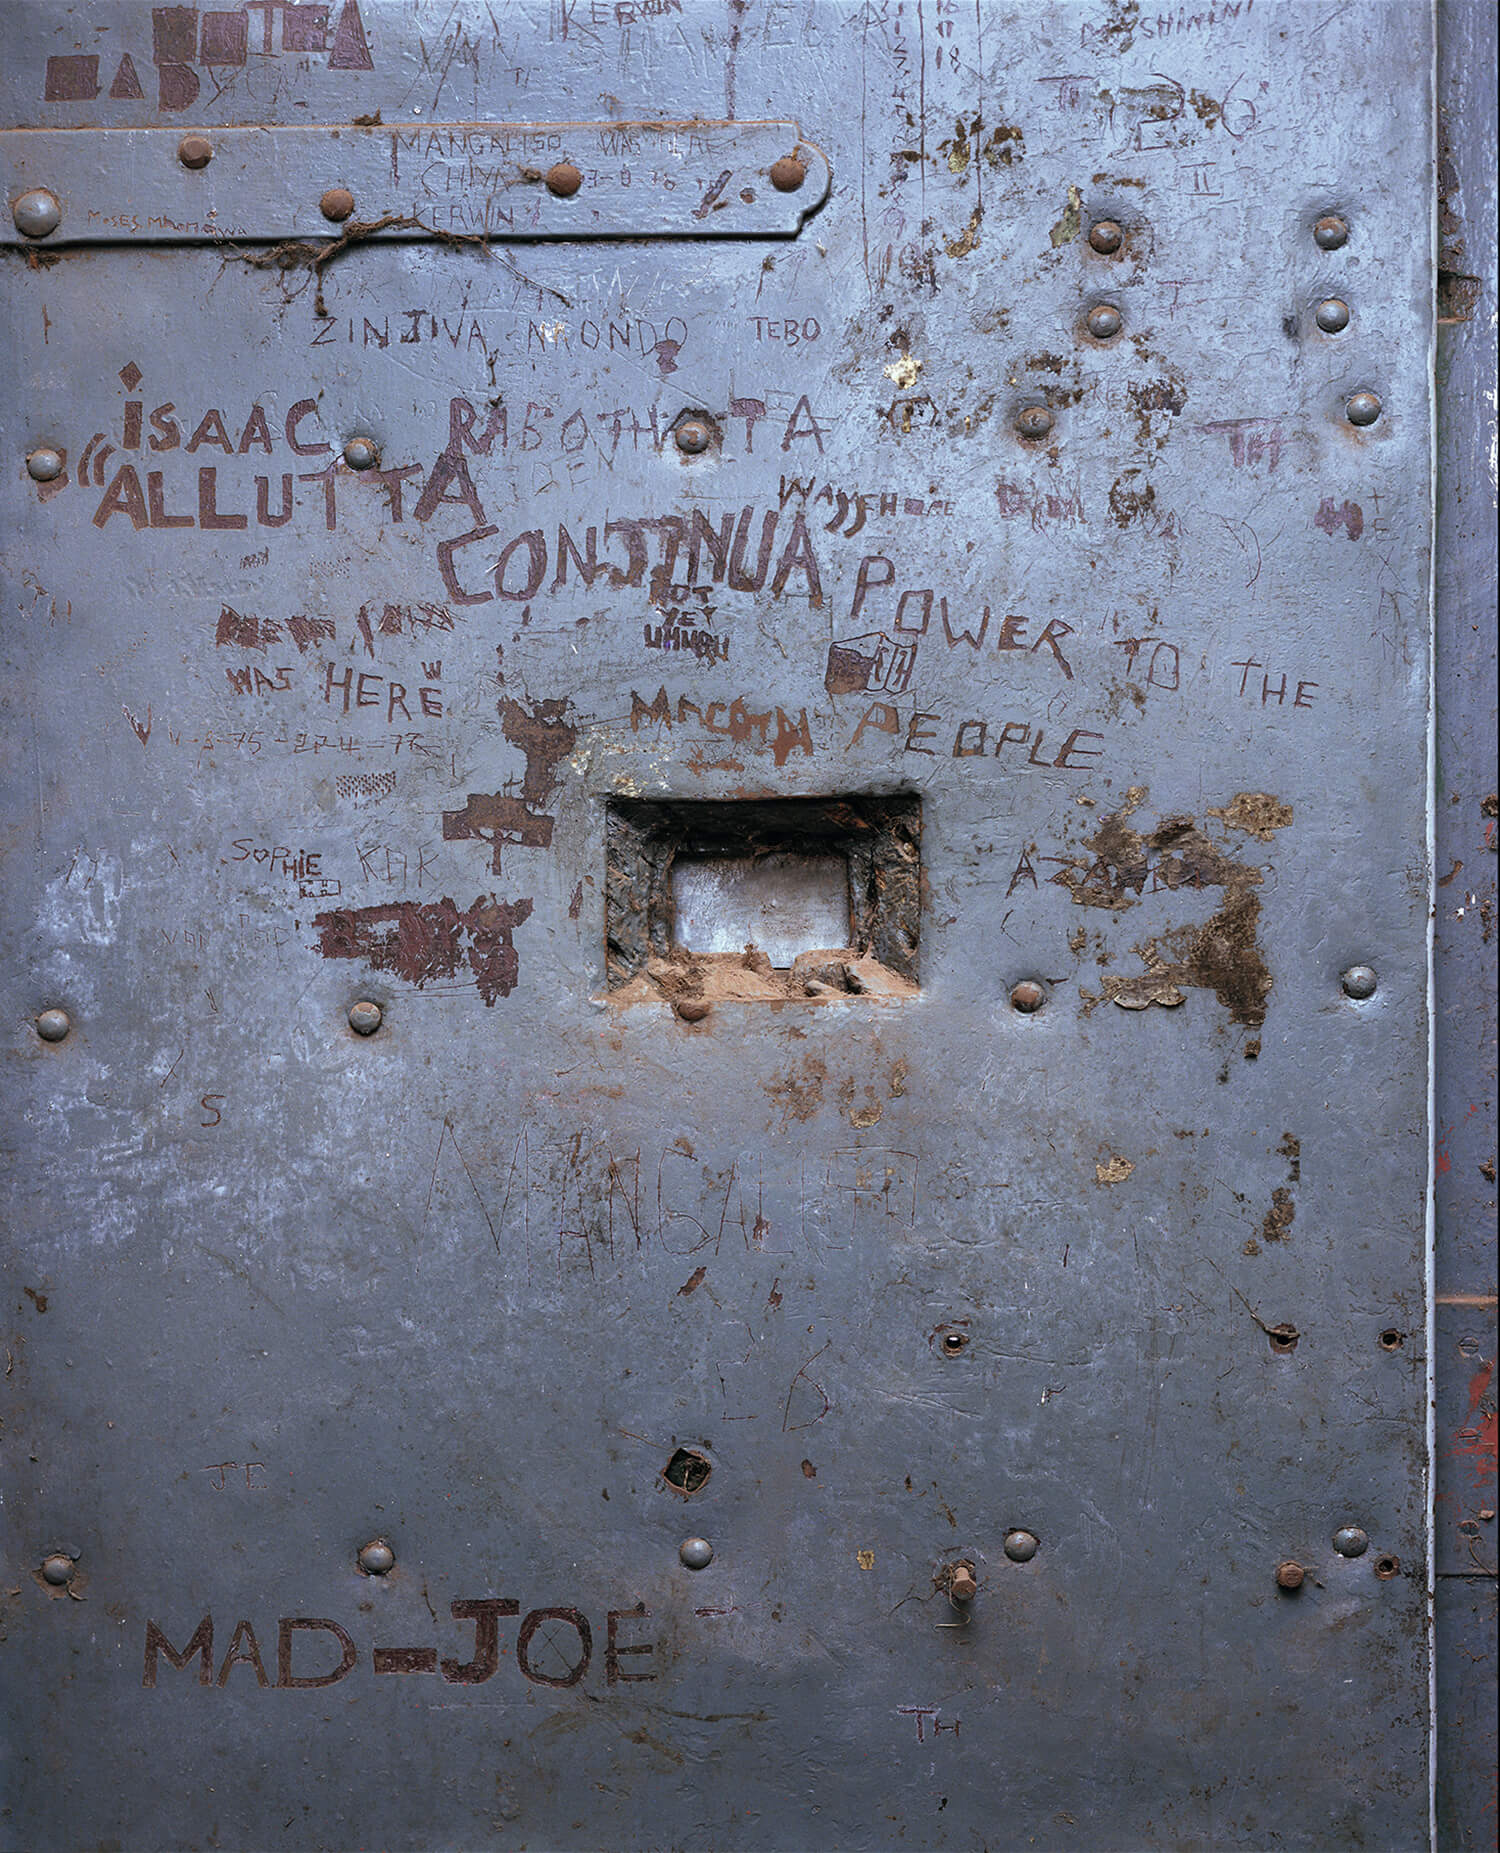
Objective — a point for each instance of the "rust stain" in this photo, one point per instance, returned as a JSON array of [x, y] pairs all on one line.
[[1279, 1218], [799, 1096], [1478, 1441], [693, 1282]]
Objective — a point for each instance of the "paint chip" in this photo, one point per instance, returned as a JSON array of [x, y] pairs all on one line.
[[865, 1559], [1115, 1171]]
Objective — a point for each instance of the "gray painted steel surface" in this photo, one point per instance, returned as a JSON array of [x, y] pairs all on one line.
[[360, 1387]]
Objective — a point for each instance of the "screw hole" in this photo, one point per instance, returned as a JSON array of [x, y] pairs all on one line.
[[687, 1471], [1387, 1567], [954, 1342], [1391, 1339], [1283, 1337]]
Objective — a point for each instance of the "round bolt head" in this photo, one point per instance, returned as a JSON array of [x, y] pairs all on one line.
[[1021, 1546], [1028, 997], [1332, 316], [787, 174], [961, 1584], [693, 436], [365, 1017], [361, 453], [195, 151], [1331, 233], [563, 179], [1106, 237], [1104, 321], [44, 465], [1359, 981], [36, 213], [337, 204], [1290, 1575], [1033, 422], [695, 1553], [1350, 1541], [376, 1557], [53, 1025], [1362, 408], [57, 1569]]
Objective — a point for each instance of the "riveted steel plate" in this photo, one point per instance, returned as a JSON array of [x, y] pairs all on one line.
[[418, 180], [480, 1374]]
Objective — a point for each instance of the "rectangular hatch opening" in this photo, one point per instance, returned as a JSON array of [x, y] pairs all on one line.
[[812, 899]]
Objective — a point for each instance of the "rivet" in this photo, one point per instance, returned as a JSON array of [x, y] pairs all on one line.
[[1362, 408], [1021, 1546], [57, 1569], [1104, 321], [955, 1342], [693, 435], [1033, 421], [44, 466], [1331, 233], [1289, 1575], [361, 453], [1106, 237], [36, 213], [337, 204], [1359, 981], [53, 1025], [195, 151], [1332, 316], [376, 1557], [692, 1009], [365, 1017], [696, 1553], [1350, 1541], [1386, 1567], [787, 174], [1028, 997], [563, 179], [961, 1584]]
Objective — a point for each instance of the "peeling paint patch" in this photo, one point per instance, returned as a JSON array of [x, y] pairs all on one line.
[[904, 371], [1069, 225], [1257, 813], [1223, 954], [966, 240], [1114, 1170]]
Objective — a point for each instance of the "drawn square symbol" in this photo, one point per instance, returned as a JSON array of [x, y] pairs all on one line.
[[226, 37]]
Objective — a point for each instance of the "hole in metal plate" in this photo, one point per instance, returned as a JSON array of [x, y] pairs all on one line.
[[781, 904]]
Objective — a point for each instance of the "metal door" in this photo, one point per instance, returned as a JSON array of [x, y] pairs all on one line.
[[508, 509]]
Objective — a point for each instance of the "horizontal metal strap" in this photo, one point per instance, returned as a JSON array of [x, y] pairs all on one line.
[[410, 181]]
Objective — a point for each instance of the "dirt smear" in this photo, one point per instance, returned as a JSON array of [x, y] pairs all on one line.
[[1223, 954]]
